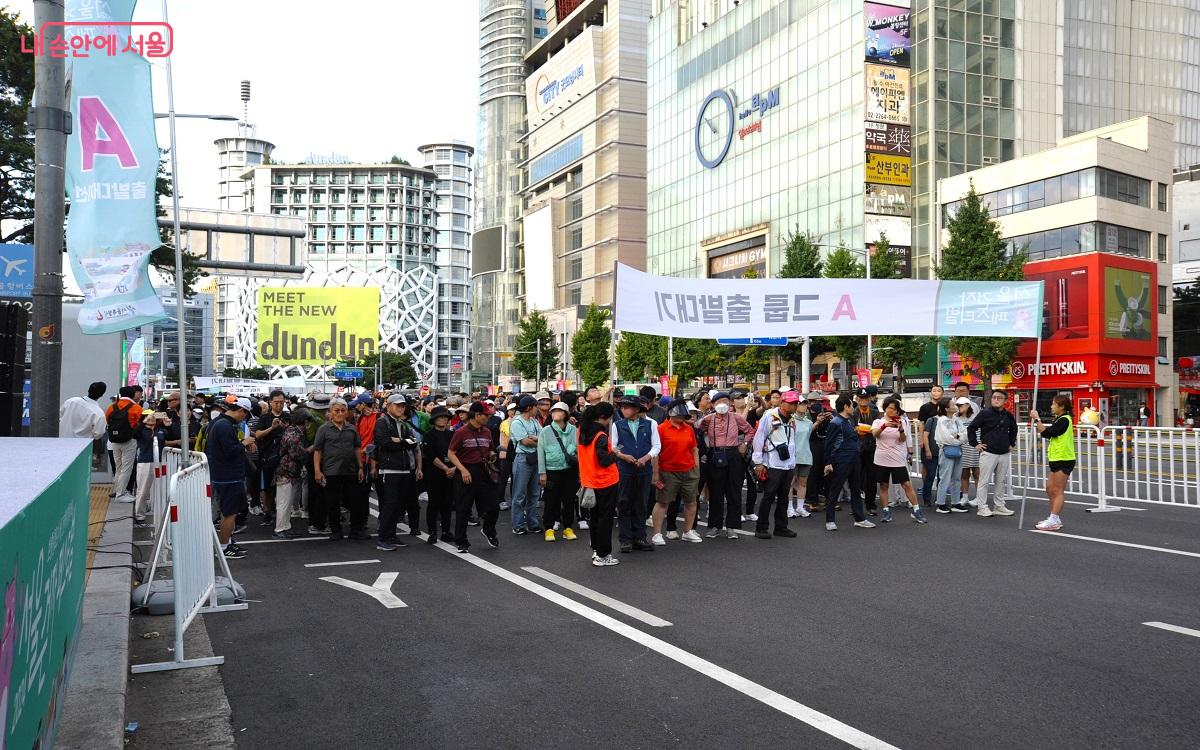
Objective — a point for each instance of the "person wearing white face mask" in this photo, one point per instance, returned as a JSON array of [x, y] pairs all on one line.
[[726, 435]]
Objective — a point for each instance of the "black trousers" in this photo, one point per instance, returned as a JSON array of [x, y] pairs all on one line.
[[866, 470], [751, 490], [441, 503], [776, 490], [317, 507], [343, 491], [816, 477], [725, 492], [560, 497], [601, 525], [842, 473], [480, 494], [397, 488]]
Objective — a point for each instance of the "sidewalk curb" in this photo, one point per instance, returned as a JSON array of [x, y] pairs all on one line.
[[93, 715]]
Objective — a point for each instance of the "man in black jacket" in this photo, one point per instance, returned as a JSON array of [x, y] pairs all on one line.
[[994, 432], [398, 456], [865, 413]]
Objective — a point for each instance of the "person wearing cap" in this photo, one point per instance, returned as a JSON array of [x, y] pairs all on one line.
[[226, 455], [288, 473], [967, 409], [993, 432], [318, 510], [774, 463], [338, 465], [523, 433], [865, 415], [653, 410], [558, 473], [439, 476], [471, 451], [949, 434], [170, 406], [636, 442], [803, 425], [543, 408], [268, 431], [362, 408], [727, 436], [843, 465], [891, 459], [598, 472], [151, 437], [821, 414], [397, 457], [677, 473]]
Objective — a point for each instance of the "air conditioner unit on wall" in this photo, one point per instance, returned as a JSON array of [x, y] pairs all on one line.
[[991, 100], [990, 160], [989, 39]]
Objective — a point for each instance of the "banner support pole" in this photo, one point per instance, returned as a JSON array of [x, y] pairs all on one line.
[[1037, 372]]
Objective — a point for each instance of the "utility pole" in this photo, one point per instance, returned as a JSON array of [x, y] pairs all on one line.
[[670, 356], [870, 358], [538, 387], [805, 364], [51, 121]]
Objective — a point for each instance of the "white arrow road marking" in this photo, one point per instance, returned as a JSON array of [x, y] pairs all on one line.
[[1174, 628], [380, 591]]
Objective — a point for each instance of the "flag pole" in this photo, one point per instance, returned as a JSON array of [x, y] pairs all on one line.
[[1037, 371]]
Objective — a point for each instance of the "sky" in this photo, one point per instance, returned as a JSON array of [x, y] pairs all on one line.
[[363, 78]]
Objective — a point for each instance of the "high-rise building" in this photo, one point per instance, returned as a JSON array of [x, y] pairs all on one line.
[[235, 155], [838, 118], [162, 339], [585, 190], [505, 30], [451, 162]]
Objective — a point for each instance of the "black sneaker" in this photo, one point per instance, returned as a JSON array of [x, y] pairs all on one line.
[[642, 545], [335, 537], [762, 534], [431, 539], [960, 508], [282, 535], [942, 509], [464, 549], [785, 533], [872, 512], [472, 521], [626, 547], [492, 540], [234, 553], [519, 531], [267, 520]]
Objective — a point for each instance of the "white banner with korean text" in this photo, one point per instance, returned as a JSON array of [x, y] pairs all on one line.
[[744, 308]]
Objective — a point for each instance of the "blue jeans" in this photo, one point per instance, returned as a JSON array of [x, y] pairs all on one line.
[[949, 475], [525, 493]]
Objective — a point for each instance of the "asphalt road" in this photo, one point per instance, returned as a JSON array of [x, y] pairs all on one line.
[[965, 633]]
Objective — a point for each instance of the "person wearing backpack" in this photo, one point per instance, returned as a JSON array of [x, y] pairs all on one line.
[[122, 420]]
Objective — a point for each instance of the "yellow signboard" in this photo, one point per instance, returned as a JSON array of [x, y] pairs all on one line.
[[886, 169], [316, 326]]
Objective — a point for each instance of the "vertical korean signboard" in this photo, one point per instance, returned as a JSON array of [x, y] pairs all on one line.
[[888, 190], [112, 164]]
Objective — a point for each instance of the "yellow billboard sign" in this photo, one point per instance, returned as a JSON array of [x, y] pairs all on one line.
[[886, 169], [315, 325]]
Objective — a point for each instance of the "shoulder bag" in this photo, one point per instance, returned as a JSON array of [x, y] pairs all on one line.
[[571, 459]]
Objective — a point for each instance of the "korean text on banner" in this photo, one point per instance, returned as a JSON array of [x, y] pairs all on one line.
[[316, 325], [736, 308], [112, 164]]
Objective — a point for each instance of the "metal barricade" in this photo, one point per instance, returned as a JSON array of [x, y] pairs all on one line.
[[165, 467], [1152, 465], [1030, 468], [195, 550]]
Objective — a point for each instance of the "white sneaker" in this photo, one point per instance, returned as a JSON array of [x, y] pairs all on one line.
[[745, 518], [864, 524], [658, 541], [504, 505], [672, 535], [791, 512], [984, 511], [256, 510], [649, 523], [1002, 510], [1048, 525], [831, 526], [124, 497], [691, 536], [597, 560], [423, 497], [752, 517], [973, 502], [304, 514], [610, 560], [802, 512], [583, 525]]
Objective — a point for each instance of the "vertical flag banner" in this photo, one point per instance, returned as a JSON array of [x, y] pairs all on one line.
[[112, 163]]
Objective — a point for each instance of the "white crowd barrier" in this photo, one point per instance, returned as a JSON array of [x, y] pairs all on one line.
[[166, 466], [196, 551]]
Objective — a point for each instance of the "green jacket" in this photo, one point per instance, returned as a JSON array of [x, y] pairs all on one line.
[[550, 455]]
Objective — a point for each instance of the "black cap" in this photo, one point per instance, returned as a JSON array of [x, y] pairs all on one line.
[[439, 411], [863, 393], [477, 408]]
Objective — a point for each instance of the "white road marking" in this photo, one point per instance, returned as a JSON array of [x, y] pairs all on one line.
[[778, 701], [599, 598], [1174, 628], [323, 537], [332, 564], [380, 591], [1119, 544]]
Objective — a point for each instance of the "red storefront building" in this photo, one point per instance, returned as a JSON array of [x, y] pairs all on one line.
[[1100, 337]]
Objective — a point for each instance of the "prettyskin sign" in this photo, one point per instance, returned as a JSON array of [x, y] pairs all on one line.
[[316, 326]]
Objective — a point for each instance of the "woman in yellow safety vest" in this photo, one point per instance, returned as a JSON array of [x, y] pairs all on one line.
[[1061, 455]]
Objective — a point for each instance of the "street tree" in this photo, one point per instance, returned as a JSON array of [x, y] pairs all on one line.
[[802, 260], [894, 352], [977, 251], [841, 264], [639, 354], [752, 361], [530, 331], [589, 349], [16, 139], [398, 369], [250, 373]]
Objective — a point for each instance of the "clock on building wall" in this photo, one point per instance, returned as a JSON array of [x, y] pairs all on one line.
[[714, 128]]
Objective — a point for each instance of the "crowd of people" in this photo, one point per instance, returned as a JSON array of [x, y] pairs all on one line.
[[576, 461]]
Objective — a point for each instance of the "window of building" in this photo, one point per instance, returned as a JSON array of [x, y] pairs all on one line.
[[358, 233], [575, 269], [337, 195], [1162, 299], [356, 249], [575, 239], [540, 32], [339, 232], [337, 213], [317, 196], [377, 196], [575, 296], [358, 178], [1162, 197], [278, 196], [1162, 248], [318, 232], [377, 233], [1162, 346], [575, 209], [317, 214], [357, 196]]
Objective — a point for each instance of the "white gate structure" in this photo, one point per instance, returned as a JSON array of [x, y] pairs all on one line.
[[196, 550]]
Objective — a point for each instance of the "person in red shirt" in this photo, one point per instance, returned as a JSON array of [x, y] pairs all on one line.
[[473, 453], [677, 472]]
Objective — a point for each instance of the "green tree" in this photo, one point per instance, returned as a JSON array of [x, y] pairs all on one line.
[[397, 160], [977, 252], [801, 256], [589, 349], [16, 140], [163, 256], [250, 373], [841, 264], [697, 357], [638, 353], [894, 352], [752, 361], [398, 369], [530, 331]]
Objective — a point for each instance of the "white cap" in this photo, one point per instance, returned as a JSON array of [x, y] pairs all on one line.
[[244, 403], [561, 406], [962, 400]]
